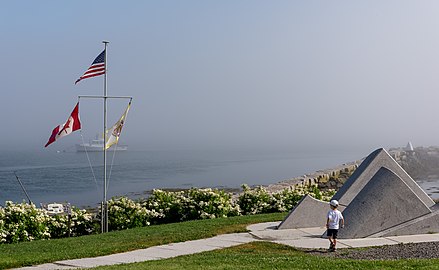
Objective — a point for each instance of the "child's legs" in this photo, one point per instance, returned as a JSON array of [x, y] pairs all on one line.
[[330, 236], [334, 237], [330, 239]]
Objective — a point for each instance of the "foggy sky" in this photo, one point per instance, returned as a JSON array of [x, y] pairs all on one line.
[[224, 74]]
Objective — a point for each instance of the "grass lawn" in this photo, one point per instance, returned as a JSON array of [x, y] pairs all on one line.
[[43, 251], [266, 255]]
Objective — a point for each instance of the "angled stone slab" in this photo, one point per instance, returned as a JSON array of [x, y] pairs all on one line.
[[425, 224], [367, 169], [308, 212], [384, 202]]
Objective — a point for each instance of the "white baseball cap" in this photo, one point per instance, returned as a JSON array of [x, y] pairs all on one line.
[[334, 203]]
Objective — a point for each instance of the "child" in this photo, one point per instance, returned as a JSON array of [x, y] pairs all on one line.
[[333, 219]]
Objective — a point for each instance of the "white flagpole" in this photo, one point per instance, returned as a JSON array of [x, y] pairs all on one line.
[[104, 221], [104, 204]]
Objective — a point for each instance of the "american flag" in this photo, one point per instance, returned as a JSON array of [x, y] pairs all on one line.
[[97, 68]]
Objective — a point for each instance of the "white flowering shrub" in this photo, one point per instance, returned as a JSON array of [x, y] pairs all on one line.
[[207, 203], [124, 213], [78, 223], [23, 222], [254, 201], [3, 232], [167, 203], [191, 204], [58, 226], [285, 200], [259, 200], [81, 222]]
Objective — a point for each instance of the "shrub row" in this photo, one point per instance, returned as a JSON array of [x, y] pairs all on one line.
[[26, 222]]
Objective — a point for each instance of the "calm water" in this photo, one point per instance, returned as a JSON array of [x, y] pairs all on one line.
[[67, 176]]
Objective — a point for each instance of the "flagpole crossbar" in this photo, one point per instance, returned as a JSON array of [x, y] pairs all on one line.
[[122, 97]]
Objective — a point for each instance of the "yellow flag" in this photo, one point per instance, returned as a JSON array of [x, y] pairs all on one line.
[[113, 133]]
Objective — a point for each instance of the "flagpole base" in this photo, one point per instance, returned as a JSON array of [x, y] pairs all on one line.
[[104, 217]]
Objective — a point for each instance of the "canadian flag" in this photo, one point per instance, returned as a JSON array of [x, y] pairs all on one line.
[[72, 124]]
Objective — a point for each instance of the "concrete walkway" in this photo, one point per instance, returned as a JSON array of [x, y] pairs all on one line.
[[312, 237], [301, 238]]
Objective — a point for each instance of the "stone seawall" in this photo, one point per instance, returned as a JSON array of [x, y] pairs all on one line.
[[325, 179]]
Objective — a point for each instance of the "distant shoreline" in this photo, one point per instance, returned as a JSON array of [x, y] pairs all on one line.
[[430, 185]]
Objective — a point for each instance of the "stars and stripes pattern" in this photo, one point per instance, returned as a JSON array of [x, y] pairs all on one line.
[[97, 68]]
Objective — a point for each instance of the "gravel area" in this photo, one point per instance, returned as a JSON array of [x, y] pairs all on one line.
[[427, 250]]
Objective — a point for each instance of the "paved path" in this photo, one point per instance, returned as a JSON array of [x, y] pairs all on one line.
[[312, 237], [301, 238], [153, 253]]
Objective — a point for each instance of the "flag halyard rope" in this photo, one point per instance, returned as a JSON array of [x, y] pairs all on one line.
[[89, 162]]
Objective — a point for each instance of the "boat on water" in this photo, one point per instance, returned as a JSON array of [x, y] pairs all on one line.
[[97, 145]]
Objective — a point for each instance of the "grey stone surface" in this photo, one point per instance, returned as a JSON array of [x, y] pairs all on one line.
[[367, 169], [385, 201], [309, 212], [425, 224]]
